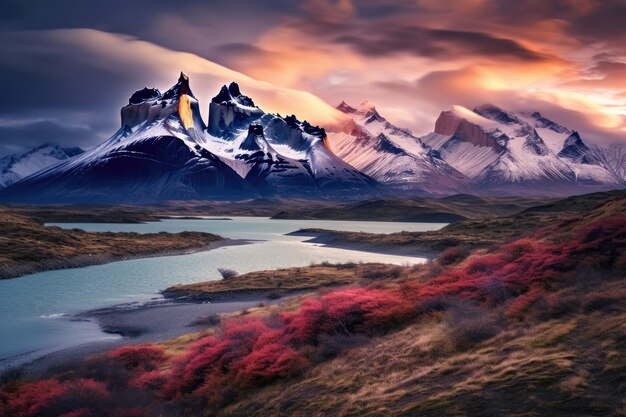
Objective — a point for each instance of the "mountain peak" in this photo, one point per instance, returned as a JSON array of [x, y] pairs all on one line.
[[466, 125], [233, 89], [345, 108], [574, 140], [143, 95], [255, 135], [232, 94], [542, 122], [575, 149], [180, 88], [367, 106], [493, 112]]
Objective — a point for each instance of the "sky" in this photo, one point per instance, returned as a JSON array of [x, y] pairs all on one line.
[[68, 66]]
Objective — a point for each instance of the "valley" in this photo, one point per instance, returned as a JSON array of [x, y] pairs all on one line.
[[516, 310]]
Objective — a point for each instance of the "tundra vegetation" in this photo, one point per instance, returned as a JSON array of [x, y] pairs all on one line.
[[532, 325]]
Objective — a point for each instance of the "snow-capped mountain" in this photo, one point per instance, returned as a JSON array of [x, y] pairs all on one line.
[[157, 154], [164, 151], [510, 152], [279, 155], [17, 166], [392, 155]]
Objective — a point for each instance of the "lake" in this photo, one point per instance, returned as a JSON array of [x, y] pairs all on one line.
[[36, 310]]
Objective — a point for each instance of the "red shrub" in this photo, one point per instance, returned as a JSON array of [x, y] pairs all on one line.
[[270, 361], [31, 399], [211, 358], [345, 311], [519, 306], [484, 265], [131, 412], [51, 397], [453, 255], [512, 251], [249, 351], [143, 357], [153, 380], [83, 412], [302, 326]]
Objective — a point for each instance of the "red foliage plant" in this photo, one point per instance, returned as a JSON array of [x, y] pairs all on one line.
[[52, 397], [251, 351], [143, 357]]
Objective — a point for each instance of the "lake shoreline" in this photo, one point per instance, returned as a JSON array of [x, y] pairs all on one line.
[[151, 322], [334, 239], [164, 319], [81, 261]]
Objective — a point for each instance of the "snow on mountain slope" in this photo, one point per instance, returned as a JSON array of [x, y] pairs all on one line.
[[155, 155], [300, 146], [393, 155], [163, 150], [268, 171], [17, 166], [506, 152], [613, 158]]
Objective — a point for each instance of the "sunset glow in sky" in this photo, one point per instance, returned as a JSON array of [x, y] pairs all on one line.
[[68, 66]]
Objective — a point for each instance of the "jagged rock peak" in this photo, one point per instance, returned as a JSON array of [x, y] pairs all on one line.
[[293, 122], [367, 106], [574, 140], [233, 89], [535, 144], [575, 149], [493, 112], [143, 95], [255, 135], [452, 124], [542, 122], [232, 94], [255, 129], [346, 108], [180, 88]]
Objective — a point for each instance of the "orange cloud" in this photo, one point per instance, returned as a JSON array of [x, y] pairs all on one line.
[[162, 65]]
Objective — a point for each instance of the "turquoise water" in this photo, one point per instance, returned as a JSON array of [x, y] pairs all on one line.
[[35, 310]]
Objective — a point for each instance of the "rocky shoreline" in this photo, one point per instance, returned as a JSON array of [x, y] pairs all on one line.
[[15, 271]]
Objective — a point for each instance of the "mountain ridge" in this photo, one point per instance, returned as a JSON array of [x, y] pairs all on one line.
[[164, 150]]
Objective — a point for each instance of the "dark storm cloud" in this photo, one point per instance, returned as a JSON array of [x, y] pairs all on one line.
[[436, 43], [184, 25], [596, 20], [43, 78], [30, 135]]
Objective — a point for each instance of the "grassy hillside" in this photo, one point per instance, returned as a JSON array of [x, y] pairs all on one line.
[[469, 233], [443, 210], [281, 282], [27, 246], [438, 210], [531, 326]]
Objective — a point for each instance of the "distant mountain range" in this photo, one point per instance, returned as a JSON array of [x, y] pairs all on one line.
[[17, 166], [164, 151], [521, 153]]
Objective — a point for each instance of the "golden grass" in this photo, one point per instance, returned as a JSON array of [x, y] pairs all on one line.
[[414, 372], [287, 280], [28, 246]]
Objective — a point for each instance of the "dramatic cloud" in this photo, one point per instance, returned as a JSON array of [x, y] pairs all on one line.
[[96, 71], [75, 63]]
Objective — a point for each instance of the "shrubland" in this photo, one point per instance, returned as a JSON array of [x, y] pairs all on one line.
[[531, 326]]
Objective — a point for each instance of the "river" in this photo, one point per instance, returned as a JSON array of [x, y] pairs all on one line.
[[36, 311]]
